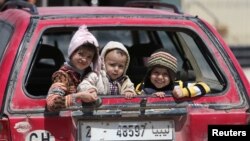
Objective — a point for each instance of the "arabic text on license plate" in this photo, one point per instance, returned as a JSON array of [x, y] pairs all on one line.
[[125, 130]]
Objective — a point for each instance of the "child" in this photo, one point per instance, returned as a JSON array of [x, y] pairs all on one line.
[[112, 78], [82, 51], [160, 78]]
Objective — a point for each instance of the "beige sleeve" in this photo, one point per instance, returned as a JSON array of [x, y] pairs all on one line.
[[88, 82], [128, 85]]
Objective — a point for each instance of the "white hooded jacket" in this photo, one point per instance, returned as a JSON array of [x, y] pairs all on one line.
[[100, 81]]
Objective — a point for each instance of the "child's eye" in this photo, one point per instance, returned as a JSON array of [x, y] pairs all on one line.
[[89, 57], [113, 65], [80, 53], [165, 74], [121, 66], [155, 73]]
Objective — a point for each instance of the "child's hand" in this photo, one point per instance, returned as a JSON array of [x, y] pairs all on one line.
[[129, 94], [88, 96], [177, 93], [160, 94], [59, 85]]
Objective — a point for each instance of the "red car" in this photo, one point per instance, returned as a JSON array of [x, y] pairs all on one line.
[[34, 42]]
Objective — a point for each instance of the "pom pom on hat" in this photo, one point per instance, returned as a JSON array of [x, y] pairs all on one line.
[[81, 36], [165, 59]]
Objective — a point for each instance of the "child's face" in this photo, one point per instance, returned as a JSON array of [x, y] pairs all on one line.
[[82, 58], [159, 77], [115, 64]]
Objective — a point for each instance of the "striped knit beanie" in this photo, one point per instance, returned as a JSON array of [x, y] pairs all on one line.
[[162, 58]]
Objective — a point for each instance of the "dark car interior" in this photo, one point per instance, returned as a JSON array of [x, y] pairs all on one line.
[[47, 60]]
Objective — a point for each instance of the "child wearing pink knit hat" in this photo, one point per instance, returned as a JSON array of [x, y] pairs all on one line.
[[160, 78], [82, 58]]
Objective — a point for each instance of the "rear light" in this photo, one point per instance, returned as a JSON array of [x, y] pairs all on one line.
[[4, 130]]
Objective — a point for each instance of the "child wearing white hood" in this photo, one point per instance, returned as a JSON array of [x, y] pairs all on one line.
[[82, 54], [112, 79]]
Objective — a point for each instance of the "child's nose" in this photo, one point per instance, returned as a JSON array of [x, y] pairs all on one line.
[[116, 68], [83, 58], [160, 76]]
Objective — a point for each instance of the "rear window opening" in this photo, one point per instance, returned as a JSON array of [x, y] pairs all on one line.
[[194, 60]]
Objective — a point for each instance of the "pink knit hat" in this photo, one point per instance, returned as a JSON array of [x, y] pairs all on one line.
[[81, 36]]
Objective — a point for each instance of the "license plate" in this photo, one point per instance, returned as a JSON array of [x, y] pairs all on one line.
[[126, 130]]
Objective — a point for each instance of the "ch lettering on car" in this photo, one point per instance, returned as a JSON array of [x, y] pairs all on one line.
[[40, 135]]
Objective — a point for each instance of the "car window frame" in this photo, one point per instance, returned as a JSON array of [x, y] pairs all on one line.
[[6, 34], [156, 30]]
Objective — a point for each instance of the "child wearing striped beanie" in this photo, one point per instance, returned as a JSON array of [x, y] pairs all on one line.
[[161, 75]]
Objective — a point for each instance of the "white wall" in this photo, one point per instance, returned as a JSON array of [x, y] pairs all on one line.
[[230, 16]]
